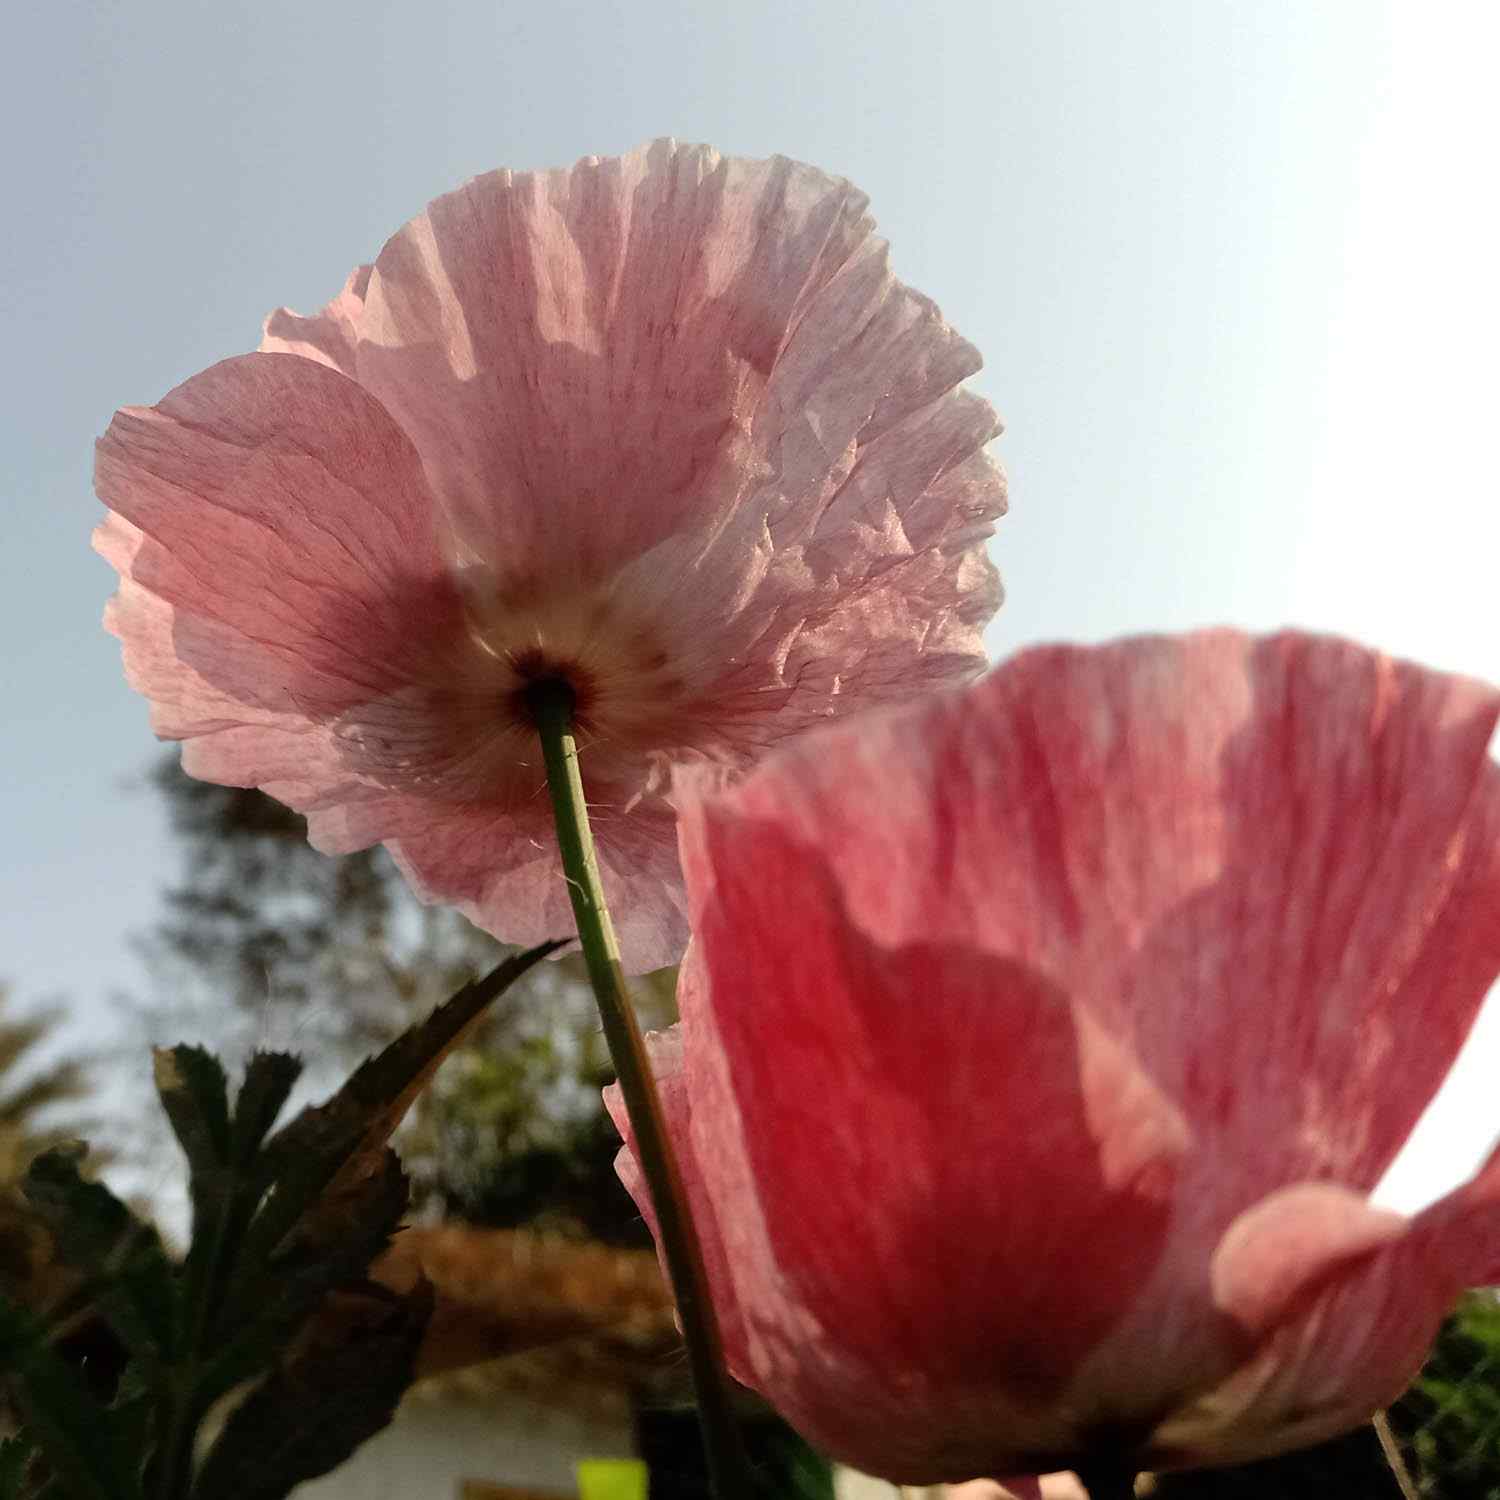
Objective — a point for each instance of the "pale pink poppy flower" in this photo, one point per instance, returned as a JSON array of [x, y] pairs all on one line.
[[1042, 1043], [663, 425]]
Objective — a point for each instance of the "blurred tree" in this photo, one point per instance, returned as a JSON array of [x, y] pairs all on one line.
[[38, 1109], [43, 1103], [265, 939], [36, 1098]]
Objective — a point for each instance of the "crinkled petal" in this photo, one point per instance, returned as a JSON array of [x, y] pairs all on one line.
[[285, 519], [499, 866], [330, 336], [674, 347], [663, 426]]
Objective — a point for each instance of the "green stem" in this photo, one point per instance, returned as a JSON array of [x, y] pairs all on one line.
[[551, 704]]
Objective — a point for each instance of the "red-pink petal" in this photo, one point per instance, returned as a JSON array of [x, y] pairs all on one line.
[[943, 1150], [1175, 937], [1299, 1235], [1271, 865], [1362, 1303], [1462, 1230]]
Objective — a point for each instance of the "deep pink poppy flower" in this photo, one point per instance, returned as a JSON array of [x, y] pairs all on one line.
[[1042, 1043], [663, 425]]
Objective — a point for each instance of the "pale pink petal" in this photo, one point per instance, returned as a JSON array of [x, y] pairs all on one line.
[[674, 348], [498, 865], [285, 519], [664, 427], [330, 335]]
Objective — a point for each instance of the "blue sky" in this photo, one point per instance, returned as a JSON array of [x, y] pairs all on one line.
[[1231, 267]]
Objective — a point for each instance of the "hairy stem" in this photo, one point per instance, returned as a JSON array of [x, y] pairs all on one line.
[[551, 705]]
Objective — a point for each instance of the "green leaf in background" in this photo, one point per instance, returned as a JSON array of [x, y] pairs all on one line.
[[59, 1416], [129, 1276], [344, 1136], [350, 1387], [273, 1294], [269, 1079], [195, 1094], [272, 1302]]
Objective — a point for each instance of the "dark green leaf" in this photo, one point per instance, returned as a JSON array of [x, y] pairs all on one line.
[[195, 1094], [132, 1416], [269, 1077], [268, 1304], [310, 1415], [342, 1136], [59, 1416], [130, 1278]]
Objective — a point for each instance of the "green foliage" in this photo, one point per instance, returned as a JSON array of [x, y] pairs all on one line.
[[268, 1445], [338, 952], [285, 1226], [126, 1270], [1447, 1427], [1449, 1421]]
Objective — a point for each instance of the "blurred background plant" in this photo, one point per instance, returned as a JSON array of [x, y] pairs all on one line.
[[43, 1102], [262, 936], [263, 940]]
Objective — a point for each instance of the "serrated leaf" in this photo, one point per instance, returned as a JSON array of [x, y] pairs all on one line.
[[342, 1136], [195, 1094], [130, 1279], [271, 1303], [59, 1416], [269, 1079], [310, 1415]]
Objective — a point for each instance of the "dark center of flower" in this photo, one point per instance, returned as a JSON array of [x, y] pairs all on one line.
[[546, 679]]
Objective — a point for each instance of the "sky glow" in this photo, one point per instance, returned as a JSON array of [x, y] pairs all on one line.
[[1232, 268]]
